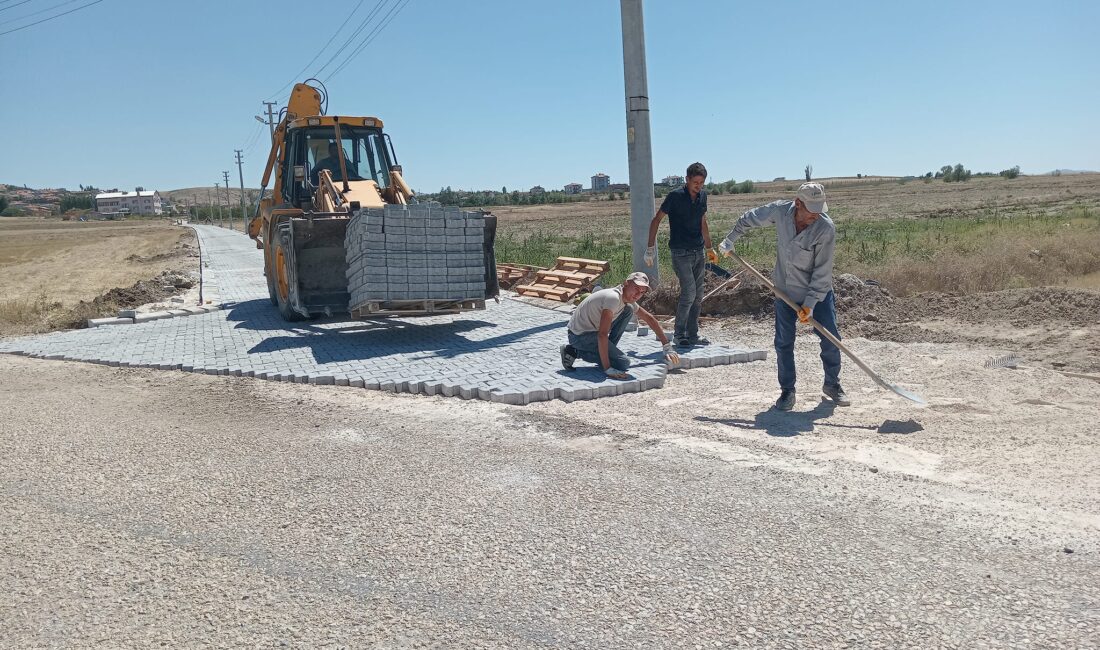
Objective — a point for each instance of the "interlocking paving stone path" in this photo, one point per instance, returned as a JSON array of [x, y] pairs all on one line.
[[506, 353]]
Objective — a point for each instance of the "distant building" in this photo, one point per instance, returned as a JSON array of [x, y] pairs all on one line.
[[673, 181], [600, 181], [574, 188], [137, 202], [538, 189], [619, 187]]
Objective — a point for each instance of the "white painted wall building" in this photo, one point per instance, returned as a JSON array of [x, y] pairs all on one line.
[[138, 202]]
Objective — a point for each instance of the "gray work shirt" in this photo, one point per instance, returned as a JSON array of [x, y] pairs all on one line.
[[586, 317], [803, 261]]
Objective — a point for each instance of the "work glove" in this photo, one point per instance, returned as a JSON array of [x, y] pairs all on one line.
[[615, 373], [650, 255], [670, 354], [804, 314], [726, 247], [712, 256]]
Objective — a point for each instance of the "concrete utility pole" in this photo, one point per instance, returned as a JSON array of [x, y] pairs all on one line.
[[638, 146], [271, 119], [228, 203], [210, 204], [221, 216], [240, 173]]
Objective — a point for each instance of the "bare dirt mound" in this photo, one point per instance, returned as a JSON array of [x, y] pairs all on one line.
[[860, 299], [749, 298], [1049, 326], [160, 288]]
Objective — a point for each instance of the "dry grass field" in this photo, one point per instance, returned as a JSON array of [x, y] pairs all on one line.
[[849, 199], [49, 267]]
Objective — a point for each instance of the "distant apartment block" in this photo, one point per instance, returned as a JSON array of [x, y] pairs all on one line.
[[600, 181], [619, 187], [673, 181], [138, 202], [574, 188]]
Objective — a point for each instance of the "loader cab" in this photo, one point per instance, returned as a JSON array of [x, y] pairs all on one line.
[[315, 147]]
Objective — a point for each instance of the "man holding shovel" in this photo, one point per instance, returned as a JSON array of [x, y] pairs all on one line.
[[804, 271]]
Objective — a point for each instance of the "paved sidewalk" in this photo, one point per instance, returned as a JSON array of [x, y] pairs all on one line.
[[506, 353]]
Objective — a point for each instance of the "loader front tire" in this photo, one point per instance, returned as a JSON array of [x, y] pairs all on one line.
[[281, 279]]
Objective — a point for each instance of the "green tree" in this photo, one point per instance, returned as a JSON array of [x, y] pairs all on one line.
[[77, 201], [1011, 172], [3, 203]]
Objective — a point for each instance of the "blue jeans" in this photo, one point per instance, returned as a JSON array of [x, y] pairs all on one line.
[[587, 344], [690, 266], [785, 317]]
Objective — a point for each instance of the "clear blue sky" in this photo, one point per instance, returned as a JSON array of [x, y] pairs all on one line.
[[479, 95]]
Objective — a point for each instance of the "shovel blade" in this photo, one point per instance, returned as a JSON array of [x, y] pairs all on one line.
[[907, 394]]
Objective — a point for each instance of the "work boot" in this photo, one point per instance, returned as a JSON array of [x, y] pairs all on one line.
[[786, 400], [837, 394], [697, 341], [568, 356]]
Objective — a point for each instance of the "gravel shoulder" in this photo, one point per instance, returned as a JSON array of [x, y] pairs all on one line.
[[149, 507]]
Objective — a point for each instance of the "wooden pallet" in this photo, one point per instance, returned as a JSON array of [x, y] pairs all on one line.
[[569, 277], [509, 275], [376, 309]]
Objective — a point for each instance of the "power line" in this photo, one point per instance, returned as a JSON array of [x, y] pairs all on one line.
[[370, 37], [319, 52], [66, 13], [14, 5], [40, 11], [253, 139], [362, 25]]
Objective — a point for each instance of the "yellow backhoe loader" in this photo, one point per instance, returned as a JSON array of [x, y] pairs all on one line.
[[326, 170]]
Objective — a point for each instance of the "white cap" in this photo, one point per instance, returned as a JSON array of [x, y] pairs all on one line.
[[812, 196], [638, 278]]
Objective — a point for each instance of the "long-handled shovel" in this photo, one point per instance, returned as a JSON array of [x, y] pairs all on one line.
[[909, 395], [733, 278]]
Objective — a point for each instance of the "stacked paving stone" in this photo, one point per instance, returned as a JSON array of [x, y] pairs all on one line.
[[416, 252]]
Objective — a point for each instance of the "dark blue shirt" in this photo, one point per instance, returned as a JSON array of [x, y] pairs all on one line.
[[685, 218]]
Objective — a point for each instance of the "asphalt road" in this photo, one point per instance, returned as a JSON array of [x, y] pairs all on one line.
[[145, 508]]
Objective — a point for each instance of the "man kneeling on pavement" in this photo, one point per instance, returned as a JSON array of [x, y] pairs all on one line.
[[599, 321], [806, 241]]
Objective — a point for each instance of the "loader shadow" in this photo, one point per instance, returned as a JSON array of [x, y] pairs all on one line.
[[337, 339], [786, 424]]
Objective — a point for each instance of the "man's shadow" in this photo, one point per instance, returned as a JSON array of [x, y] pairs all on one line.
[[786, 424]]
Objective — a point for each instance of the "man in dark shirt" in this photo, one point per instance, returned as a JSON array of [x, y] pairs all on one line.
[[689, 235], [332, 163]]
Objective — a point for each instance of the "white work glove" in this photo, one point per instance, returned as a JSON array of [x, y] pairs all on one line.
[[650, 255], [614, 373], [670, 354], [726, 247]]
